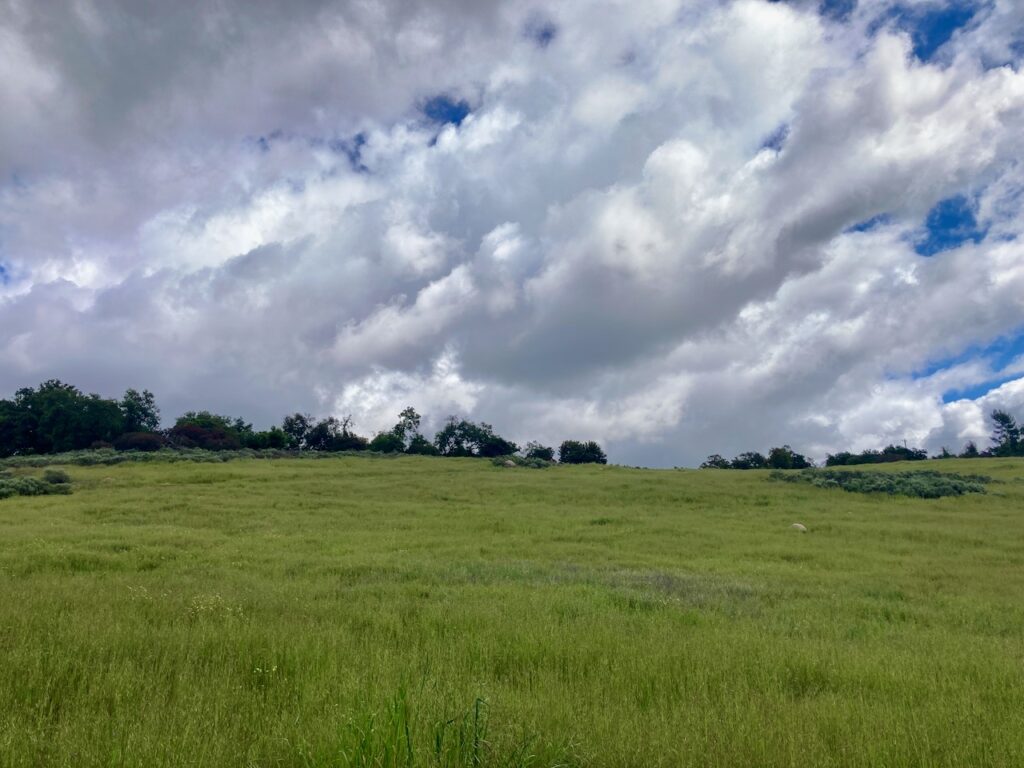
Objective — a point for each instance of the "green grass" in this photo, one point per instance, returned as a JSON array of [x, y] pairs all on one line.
[[450, 612]]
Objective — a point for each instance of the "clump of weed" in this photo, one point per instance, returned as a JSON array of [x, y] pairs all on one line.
[[924, 484]]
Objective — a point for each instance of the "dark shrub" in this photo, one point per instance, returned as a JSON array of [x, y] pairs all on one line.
[[30, 486], [139, 441], [56, 477], [207, 438]]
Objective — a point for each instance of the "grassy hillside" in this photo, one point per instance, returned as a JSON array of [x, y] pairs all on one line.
[[449, 612]]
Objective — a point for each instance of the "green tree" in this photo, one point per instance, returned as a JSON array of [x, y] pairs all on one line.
[[535, 450], [749, 460], [459, 437], [970, 451], [58, 417], [786, 458], [297, 427], [387, 442], [577, 452], [139, 411], [1005, 434], [716, 461]]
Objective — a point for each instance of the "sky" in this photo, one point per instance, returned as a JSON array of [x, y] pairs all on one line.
[[677, 228]]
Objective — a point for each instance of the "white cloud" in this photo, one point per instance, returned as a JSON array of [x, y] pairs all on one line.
[[261, 219]]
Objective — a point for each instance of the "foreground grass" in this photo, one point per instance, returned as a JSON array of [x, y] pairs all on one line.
[[449, 612]]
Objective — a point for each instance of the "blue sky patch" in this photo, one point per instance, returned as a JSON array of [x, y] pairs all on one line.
[[932, 27], [977, 390], [542, 31], [868, 224], [776, 139], [5, 276], [446, 110], [949, 224], [352, 149], [263, 143], [839, 10], [999, 354]]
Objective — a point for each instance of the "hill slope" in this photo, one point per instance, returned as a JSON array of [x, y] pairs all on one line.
[[417, 611]]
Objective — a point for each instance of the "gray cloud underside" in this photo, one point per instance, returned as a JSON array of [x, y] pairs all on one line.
[[604, 248]]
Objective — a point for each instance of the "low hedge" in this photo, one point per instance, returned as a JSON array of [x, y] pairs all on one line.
[[924, 484]]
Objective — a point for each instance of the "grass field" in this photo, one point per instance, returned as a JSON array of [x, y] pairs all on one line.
[[417, 611]]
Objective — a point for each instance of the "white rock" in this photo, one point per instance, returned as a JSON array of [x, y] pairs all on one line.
[[799, 527]]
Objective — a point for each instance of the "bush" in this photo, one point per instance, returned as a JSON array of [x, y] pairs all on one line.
[[925, 484], [56, 476], [30, 486], [139, 441]]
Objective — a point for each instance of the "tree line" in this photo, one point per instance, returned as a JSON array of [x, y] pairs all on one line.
[[56, 417], [1007, 440]]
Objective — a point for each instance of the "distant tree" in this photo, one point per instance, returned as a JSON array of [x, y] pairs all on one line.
[[491, 445], [970, 451], [456, 438], [716, 461], [537, 451], [57, 417], [17, 429], [333, 434], [459, 437], [275, 437], [208, 431], [421, 446], [297, 427], [387, 442], [404, 436], [838, 459], [1006, 434], [408, 425], [749, 460], [139, 411], [786, 458], [577, 452], [902, 453], [888, 454], [945, 454]]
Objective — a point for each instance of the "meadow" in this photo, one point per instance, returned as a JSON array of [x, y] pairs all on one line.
[[360, 611]]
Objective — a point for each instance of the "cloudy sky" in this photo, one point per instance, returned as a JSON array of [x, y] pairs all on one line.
[[675, 227]]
